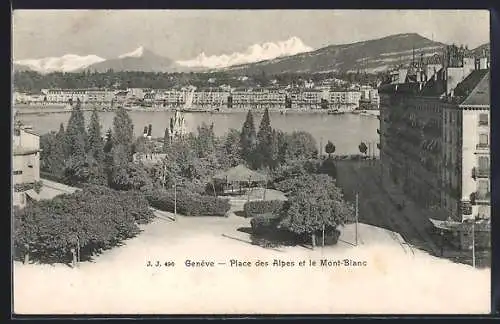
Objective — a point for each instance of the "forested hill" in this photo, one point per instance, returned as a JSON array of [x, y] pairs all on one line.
[[30, 81]]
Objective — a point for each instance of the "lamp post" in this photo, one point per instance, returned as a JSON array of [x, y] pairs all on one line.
[[323, 230], [442, 242], [175, 198], [473, 243], [356, 228]]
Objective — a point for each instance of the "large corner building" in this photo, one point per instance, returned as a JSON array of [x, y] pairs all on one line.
[[435, 136]]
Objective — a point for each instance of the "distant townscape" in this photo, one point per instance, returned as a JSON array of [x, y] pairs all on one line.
[[329, 94]]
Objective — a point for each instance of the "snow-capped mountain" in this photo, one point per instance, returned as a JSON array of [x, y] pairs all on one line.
[[138, 52], [20, 68], [291, 55], [254, 53], [65, 63], [140, 59], [370, 56]]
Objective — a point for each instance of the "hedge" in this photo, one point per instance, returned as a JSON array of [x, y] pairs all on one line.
[[266, 231], [258, 207], [264, 223], [188, 203], [331, 236]]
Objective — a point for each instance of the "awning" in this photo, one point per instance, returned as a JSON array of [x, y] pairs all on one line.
[[449, 225], [241, 173], [445, 225]]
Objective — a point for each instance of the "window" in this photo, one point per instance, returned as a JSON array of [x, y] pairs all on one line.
[[483, 119], [482, 186], [484, 163], [483, 139], [17, 172], [483, 212]]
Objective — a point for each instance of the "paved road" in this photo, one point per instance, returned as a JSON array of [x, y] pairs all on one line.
[[377, 206]]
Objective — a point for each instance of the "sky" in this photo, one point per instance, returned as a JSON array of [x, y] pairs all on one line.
[[183, 34]]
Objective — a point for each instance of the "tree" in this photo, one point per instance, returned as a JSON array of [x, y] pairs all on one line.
[[299, 145], [96, 144], [329, 148], [228, 149], [265, 142], [108, 154], [133, 176], [76, 163], [205, 140], [274, 149], [47, 155], [363, 148], [314, 204], [75, 133], [91, 219], [166, 140], [248, 140], [63, 141], [123, 134], [140, 145]]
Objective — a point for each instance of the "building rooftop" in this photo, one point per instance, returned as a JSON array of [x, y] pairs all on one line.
[[32, 132], [475, 89]]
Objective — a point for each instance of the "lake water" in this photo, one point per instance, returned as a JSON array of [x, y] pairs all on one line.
[[345, 131]]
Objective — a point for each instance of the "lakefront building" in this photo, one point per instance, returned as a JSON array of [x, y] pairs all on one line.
[[85, 96], [434, 137]]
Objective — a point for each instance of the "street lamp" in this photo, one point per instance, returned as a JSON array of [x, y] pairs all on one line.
[[356, 228], [175, 198], [473, 243]]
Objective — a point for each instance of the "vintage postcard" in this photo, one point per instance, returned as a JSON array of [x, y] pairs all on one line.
[[251, 162]]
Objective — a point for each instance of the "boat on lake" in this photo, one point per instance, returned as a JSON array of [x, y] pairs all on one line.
[[335, 112]]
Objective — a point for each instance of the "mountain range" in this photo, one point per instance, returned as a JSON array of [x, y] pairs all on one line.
[[65, 63], [291, 55], [141, 59], [370, 56], [254, 53]]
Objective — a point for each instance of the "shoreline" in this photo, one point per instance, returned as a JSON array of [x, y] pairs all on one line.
[[59, 110]]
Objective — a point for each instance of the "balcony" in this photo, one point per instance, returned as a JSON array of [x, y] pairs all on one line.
[[480, 173], [482, 146], [480, 198], [483, 196], [483, 123]]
